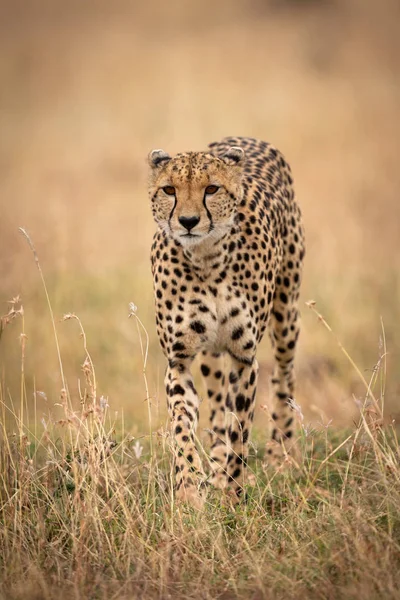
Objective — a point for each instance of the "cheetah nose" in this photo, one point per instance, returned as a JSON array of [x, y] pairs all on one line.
[[189, 222]]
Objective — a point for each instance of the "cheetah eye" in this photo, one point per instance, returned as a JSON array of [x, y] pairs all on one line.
[[169, 190], [211, 189]]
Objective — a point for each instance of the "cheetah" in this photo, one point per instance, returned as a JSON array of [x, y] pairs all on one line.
[[226, 264]]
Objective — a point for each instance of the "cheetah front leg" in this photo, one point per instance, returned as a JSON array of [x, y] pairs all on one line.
[[240, 407], [213, 370], [183, 408]]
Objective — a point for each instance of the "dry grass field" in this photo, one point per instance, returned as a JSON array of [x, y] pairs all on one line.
[[86, 90]]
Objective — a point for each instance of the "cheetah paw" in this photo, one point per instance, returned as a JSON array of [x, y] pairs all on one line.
[[219, 480], [191, 495]]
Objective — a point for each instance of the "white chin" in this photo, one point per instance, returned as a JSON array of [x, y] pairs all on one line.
[[189, 240]]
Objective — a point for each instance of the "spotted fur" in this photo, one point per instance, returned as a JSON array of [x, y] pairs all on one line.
[[226, 263]]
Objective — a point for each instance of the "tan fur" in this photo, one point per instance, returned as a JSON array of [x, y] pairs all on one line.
[[226, 262]]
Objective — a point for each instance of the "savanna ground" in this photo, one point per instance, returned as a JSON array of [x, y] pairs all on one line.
[[86, 504]]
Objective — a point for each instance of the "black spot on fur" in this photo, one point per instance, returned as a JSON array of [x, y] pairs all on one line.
[[237, 333], [205, 370], [198, 326]]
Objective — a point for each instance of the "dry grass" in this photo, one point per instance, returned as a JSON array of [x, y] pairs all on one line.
[[86, 91], [88, 511]]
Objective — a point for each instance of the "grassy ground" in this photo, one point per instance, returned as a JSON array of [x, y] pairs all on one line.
[[81, 522], [88, 509], [86, 91], [82, 518]]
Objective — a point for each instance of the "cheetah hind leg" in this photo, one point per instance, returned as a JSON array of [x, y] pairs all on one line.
[[213, 369], [282, 450]]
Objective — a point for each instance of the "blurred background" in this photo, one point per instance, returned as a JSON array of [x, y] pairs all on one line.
[[88, 88]]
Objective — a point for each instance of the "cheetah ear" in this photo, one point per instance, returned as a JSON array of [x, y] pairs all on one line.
[[158, 158], [234, 156]]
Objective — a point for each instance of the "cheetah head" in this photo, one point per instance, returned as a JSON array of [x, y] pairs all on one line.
[[195, 195]]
